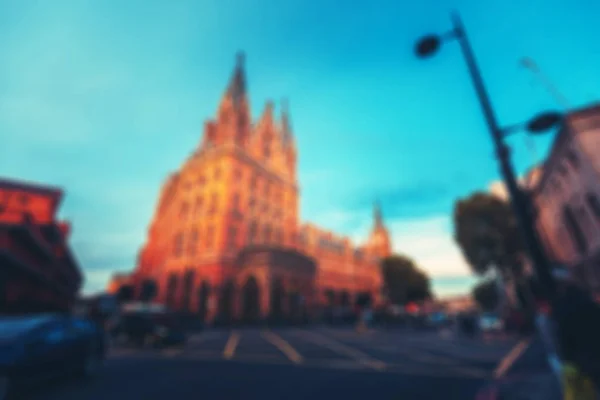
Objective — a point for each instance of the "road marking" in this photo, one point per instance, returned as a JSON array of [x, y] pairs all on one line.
[[202, 337], [344, 350], [231, 345], [283, 346], [511, 357]]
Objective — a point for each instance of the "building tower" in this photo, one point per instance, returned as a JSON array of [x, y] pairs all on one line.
[[379, 241]]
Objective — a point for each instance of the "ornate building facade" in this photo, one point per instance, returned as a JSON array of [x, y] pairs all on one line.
[[226, 238]]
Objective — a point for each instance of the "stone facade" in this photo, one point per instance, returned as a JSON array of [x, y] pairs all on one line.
[[238, 192], [39, 272], [567, 196]]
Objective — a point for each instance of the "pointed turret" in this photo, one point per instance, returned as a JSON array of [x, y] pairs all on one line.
[[267, 118], [237, 85], [233, 117], [379, 241], [377, 216], [286, 127]]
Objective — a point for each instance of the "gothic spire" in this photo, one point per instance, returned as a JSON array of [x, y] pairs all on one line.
[[286, 128], [377, 215], [237, 85]]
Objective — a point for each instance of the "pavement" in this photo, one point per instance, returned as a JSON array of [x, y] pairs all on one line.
[[313, 363], [523, 374]]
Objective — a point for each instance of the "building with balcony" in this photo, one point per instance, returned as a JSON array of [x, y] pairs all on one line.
[[567, 197], [38, 271]]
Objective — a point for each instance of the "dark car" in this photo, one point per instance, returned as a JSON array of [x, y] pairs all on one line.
[[154, 328], [34, 349]]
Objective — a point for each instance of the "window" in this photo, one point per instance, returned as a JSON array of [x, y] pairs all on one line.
[[184, 210], [267, 233], [594, 204], [56, 334], [23, 199], [235, 201], [575, 231], [278, 236], [201, 180], [251, 203], [198, 204], [210, 235], [82, 326], [231, 237], [252, 232], [217, 173], [555, 185], [193, 242], [573, 159], [178, 244], [237, 175], [253, 182], [213, 203], [267, 189]]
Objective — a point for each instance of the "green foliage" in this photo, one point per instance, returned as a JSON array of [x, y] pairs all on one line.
[[404, 281], [486, 295], [486, 230]]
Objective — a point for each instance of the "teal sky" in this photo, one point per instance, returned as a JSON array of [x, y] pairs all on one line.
[[106, 98]]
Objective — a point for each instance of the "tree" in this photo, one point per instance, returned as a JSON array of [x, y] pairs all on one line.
[[404, 281], [486, 295], [149, 290], [125, 293], [486, 230]]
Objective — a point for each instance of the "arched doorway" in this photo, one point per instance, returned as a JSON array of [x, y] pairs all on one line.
[[364, 299], [345, 299], [295, 305], [203, 295], [171, 291], [226, 302], [329, 305], [251, 300], [188, 286], [277, 297]]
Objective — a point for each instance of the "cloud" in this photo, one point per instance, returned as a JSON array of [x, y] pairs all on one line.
[[421, 199], [427, 240]]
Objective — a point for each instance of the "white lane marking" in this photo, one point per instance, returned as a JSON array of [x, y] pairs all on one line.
[[344, 350], [511, 357], [283, 346], [231, 345]]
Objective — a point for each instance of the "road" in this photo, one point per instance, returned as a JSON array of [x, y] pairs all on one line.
[[316, 363]]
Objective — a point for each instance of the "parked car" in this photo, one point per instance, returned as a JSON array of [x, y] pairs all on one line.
[[157, 328], [34, 349], [489, 322]]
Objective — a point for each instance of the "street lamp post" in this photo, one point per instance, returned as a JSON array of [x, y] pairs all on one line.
[[520, 202]]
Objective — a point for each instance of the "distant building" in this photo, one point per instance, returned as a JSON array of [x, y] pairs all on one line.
[[226, 238], [39, 272], [567, 197], [456, 304], [118, 280]]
